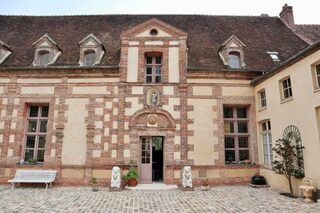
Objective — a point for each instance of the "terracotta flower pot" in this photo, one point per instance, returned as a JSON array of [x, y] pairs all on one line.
[[132, 182]]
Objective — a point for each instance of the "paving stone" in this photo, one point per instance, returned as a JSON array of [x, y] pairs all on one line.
[[218, 199]]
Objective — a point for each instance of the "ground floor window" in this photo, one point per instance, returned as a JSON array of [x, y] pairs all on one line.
[[236, 134], [267, 142], [35, 138]]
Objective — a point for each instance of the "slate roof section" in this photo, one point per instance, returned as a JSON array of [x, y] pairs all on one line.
[[206, 34], [310, 33]]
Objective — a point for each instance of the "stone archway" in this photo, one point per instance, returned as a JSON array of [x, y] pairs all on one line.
[[153, 122]]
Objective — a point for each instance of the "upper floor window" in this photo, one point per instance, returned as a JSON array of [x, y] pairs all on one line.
[[47, 51], [89, 58], [286, 88], [318, 75], [91, 51], [234, 60], [236, 134], [267, 142], [44, 58], [153, 68], [231, 53], [35, 139], [262, 98]]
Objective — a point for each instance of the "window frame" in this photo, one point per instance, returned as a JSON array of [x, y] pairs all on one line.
[[266, 132], [262, 100], [37, 134], [154, 68], [317, 76], [288, 88], [235, 120]]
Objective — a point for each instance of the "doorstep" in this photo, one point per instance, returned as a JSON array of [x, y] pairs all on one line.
[[152, 187]]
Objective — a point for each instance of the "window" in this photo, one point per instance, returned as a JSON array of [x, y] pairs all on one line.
[[286, 88], [234, 60], [274, 56], [37, 120], [153, 69], [44, 58], [89, 58], [267, 142], [236, 134], [318, 76], [262, 98]]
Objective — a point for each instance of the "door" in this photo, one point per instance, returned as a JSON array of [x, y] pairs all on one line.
[[146, 160]]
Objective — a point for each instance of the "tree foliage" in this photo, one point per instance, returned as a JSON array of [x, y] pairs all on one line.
[[287, 160]]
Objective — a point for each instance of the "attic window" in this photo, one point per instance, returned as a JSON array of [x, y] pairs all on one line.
[[274, 56], [234, 60], [154, 32], [44, 58], [91, 51]]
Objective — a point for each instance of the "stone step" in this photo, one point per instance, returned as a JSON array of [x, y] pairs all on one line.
[[152, 187]]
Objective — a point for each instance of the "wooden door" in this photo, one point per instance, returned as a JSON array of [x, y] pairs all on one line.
[[146, 160]]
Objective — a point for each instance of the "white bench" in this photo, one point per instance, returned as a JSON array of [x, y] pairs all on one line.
[[34, 176]]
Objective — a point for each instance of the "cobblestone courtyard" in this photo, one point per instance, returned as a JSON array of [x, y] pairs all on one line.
[[82, 199]]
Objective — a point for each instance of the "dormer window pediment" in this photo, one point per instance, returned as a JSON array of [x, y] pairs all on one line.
[[47, 51], [5, 51], [91, 51], [231, 53]]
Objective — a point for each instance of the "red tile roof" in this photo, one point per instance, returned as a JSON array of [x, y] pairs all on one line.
[[206, 34], [310, 33]]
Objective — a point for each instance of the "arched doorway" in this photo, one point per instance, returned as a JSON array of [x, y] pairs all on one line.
[[152, 137]]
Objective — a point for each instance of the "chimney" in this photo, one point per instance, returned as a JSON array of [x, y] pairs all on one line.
[[287, 16]]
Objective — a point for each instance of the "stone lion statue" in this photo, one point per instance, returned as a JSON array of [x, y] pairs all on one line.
[[186, 177], [116, 177]]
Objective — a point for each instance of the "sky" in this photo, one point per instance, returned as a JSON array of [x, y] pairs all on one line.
[[305, 11]]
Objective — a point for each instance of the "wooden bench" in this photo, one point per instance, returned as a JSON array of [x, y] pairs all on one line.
[[34, 176]]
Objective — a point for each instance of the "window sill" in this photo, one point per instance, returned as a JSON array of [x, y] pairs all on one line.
[[316, 90], [268, 167], [31, 164], [286, 100], [262, 108]]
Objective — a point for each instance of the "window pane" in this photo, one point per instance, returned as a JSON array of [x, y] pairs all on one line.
[[30, 141], [284, 84], [158, 79], [230, 156], [149, 60], [234, 60], [42, 142], [28, 154], [89, 58], [32, 127], [149, 70], [229, 142], [227, 113], [243, 142], [228, 127], [242, 127], [33, 111], [44, 58], [286, 93], [264, 126], [158, 70], [158, 60], [242, 112], [269, 125], [45, 111], [43, 126], [149, 79], [40, 156], [244, 155]]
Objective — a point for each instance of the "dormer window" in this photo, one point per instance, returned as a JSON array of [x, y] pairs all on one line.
[[231, 53], [234, 60], [91, 51], [44, 58], [89, 58], [4, 51], [47, 51]]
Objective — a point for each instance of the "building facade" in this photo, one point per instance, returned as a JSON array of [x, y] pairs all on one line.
[[81, 94]]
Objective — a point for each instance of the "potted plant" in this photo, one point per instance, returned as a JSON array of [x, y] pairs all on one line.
[[93, 182], [205, 184], [132, 177], [32, 161]]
